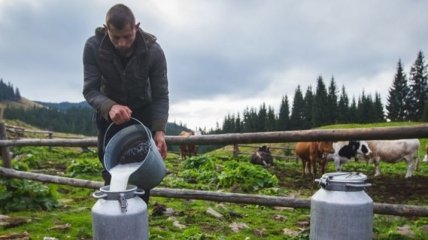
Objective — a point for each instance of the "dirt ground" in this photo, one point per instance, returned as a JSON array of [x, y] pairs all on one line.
[[385, 189]]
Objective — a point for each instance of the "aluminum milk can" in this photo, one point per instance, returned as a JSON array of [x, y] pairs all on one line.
[[119, 215], [341, 209]]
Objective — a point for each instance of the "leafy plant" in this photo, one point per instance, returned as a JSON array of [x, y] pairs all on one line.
[[249, 177], [84, 166], [19, 195]]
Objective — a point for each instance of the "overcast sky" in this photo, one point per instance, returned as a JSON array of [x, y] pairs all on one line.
[[223, 55]]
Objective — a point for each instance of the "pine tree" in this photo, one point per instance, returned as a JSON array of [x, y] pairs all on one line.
[[332, 105], [365, 110], [418, 84], [283, 122], [309, 101], [271, 119], [298, 110], [353, 112], [262, 118], [319, 109], [17, 95], [343, 107], [397, 96], [238, 124], [378, 109]]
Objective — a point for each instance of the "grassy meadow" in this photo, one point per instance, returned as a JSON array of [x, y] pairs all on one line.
[[38, 211]]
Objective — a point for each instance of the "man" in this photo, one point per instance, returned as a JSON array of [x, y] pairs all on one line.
[[125, 75]]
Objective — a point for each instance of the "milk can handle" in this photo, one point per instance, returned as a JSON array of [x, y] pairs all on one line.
[[111, 124], [358, 185], [139, 192], [99, 194]]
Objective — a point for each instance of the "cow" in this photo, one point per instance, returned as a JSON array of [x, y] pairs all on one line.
[[426, 154], [345, 150], [312, 152], [393, 151], [187, 150], [262, 156]]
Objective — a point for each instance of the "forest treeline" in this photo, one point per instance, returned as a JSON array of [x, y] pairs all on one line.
[[407, 100], [8, 93], [78, 118]]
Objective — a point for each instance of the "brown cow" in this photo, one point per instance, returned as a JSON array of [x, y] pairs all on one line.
[[311, 153], [426, 154], [187, 150]]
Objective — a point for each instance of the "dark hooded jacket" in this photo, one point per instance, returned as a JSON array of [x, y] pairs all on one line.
[[142, 85]]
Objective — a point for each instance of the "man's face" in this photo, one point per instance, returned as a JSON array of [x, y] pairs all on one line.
[[123, 39]]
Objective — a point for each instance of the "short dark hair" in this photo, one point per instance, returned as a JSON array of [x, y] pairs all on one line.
[[119, 15]]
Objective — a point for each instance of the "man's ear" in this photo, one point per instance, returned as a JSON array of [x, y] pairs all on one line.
[[137, 26], [105, 27]]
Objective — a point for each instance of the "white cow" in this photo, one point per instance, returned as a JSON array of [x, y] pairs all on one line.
[[393, 151], [345, 150], [426, 154]]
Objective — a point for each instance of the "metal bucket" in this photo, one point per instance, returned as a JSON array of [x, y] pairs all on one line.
[[341, 209], [119, 215], [135, 144]]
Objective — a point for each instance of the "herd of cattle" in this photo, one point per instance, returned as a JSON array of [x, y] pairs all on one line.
[[313, 154]]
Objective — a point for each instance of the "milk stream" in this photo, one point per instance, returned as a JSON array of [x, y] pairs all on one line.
[[120, 175]]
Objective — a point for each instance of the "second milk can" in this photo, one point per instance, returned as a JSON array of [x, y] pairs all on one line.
[[119, 215], [341, 209]]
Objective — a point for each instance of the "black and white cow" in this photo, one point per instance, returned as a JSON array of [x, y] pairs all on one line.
[[345, 150], [262, 156], [393, 151]]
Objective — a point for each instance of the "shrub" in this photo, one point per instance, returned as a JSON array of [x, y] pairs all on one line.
[[19, 195], [248, 176], [84, 166]]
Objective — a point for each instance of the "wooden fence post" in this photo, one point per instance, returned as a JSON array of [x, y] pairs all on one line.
[[235, 150], [50, 134], [5, 154]]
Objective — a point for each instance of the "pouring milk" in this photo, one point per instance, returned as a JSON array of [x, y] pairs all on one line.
[[120, 175]]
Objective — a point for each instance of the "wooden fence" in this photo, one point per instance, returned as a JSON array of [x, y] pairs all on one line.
[[418, 131]]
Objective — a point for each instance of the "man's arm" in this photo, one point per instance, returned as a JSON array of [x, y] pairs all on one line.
[[92, 81]]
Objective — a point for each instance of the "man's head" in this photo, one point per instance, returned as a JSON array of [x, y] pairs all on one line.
[[121, 28]]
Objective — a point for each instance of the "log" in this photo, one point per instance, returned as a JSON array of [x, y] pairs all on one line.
[[50, 179], [87, 142], [378, 208]]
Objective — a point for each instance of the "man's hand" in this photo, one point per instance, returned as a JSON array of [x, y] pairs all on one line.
[[119, 114], [159, 138]]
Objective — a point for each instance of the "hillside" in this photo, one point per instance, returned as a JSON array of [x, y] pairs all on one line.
[[22, 103]]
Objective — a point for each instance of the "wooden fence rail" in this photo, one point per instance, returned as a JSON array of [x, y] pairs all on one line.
[[379, 208], [419, 131]]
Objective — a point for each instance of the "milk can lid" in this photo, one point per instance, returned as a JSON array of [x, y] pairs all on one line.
[[345, 177], [343, 181]]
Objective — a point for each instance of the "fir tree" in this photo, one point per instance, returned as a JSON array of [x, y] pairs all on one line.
[[298, 110], [283, 122], [343, 107], [332, 105], [319, 109], [271, 119], [378, 109], [397, 96], [418, 84], [309, 101]]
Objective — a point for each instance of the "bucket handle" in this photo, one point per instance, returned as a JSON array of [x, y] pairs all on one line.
[[112, 123]]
